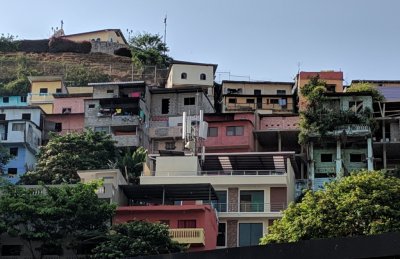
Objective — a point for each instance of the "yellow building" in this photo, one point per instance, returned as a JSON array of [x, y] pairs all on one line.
[[107, 35], [264, 96], [42, 90]]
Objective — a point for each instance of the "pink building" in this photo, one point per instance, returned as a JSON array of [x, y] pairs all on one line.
[[68, 113], [175, 205], [230, 133]]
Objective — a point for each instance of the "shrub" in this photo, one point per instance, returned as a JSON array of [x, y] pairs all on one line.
[[124, 52], [58, 44], [35, 46]]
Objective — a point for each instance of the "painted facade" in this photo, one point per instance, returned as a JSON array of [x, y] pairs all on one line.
[[108, 35], [42, 90], [13, 101]]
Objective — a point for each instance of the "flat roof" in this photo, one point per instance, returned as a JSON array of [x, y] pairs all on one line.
[[181, 62], [357, 81], [170, 192], [257, 82], [186, 89], [44, 78], [117, 83]]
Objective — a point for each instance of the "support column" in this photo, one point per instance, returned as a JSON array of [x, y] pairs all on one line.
[[384, 144], [370, 155], [311, 164], [279, 141], [338, 158]]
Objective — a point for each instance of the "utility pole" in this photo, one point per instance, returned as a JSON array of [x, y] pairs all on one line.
[[165, 32]]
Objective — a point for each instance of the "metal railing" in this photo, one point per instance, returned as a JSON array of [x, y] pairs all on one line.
[[244, 207], [278, 172]]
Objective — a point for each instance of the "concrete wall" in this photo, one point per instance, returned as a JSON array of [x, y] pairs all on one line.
[[193, 75], [249, 87], [344, 101], [14, 101], [224, 143], [177, 106], [16, 114], [100, 91], [76, 104], [106, 47], [178, 165]]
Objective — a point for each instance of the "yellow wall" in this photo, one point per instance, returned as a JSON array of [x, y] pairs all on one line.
[[193, 75], [80, 90], [102, 35], [51, 89], [46, 107]]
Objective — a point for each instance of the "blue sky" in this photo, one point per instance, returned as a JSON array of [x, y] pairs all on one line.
[[263, 40]]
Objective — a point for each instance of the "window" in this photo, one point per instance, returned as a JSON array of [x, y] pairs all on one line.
[[23, 99], [357, 158], [212, 132], [187, 223], [18, 127], [221, 205], [58, 90], [203, 76], [274, 101], [43, 91], [58, 127], [234, 131], [6, 99], [67, 110], [251, 201], [164, 106], [26, 116], [170, 145], [280, 91], [12, 171], [257, 92], [2, 117], [91, 106], [232, 100], [11, 250], [221, 238], [14, 151], [183, 75], [110, 91], [330, 88], [250, 233], [102, 129], [356, 106], [189, 101], [249, 100], [326, 158]]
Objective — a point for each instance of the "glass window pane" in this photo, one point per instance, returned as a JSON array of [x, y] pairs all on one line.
[[250, 233]]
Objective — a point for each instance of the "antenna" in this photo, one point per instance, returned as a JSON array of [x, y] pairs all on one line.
[[165, 32]]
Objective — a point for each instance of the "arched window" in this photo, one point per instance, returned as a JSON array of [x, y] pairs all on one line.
[[203, 76], [183, 75]]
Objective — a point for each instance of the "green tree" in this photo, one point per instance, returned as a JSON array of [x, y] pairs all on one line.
[[54, 215], [7, 43], [132, 164], [135, 239], [63, 155], [366, 88], [4, 158], [149, 50], [364, 203]]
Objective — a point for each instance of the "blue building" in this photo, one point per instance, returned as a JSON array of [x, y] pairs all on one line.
[[20, 132], [13, 101]]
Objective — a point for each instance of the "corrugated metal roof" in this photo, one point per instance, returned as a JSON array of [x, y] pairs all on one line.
[[390, 93]]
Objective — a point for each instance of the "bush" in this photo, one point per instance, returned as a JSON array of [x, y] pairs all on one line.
[[35, 46], [124, 52], [58, 44], [7, 43]]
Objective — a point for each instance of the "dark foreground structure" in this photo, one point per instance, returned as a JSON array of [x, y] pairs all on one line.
[[378, 246]]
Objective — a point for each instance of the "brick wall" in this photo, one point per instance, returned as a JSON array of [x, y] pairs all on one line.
[[232, 233], [279, 122], [233, 199]]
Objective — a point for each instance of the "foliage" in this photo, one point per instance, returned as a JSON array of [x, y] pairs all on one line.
[[364, 203], [35, 46], [123, 52], [132, 164], [366, 88], [54, 215], [149, 50], [319, 119], [135, 239], [8, 43], [60, 45], [63, 155], [4, 158], [81, 75]]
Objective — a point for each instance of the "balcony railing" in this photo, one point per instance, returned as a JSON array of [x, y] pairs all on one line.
[[279, 172], [188, 235], [245, 207]]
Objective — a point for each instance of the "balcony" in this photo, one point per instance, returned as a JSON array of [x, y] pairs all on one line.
[[284, 107], [165, 132], [249, 207], [352, 129], [40, 98], [188, 235], [243, 172], [117, 120]]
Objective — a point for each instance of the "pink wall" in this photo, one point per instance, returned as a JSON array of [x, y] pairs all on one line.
[[203, 214], [279, 122], [70, 122], [75, 103], [224, 143]]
